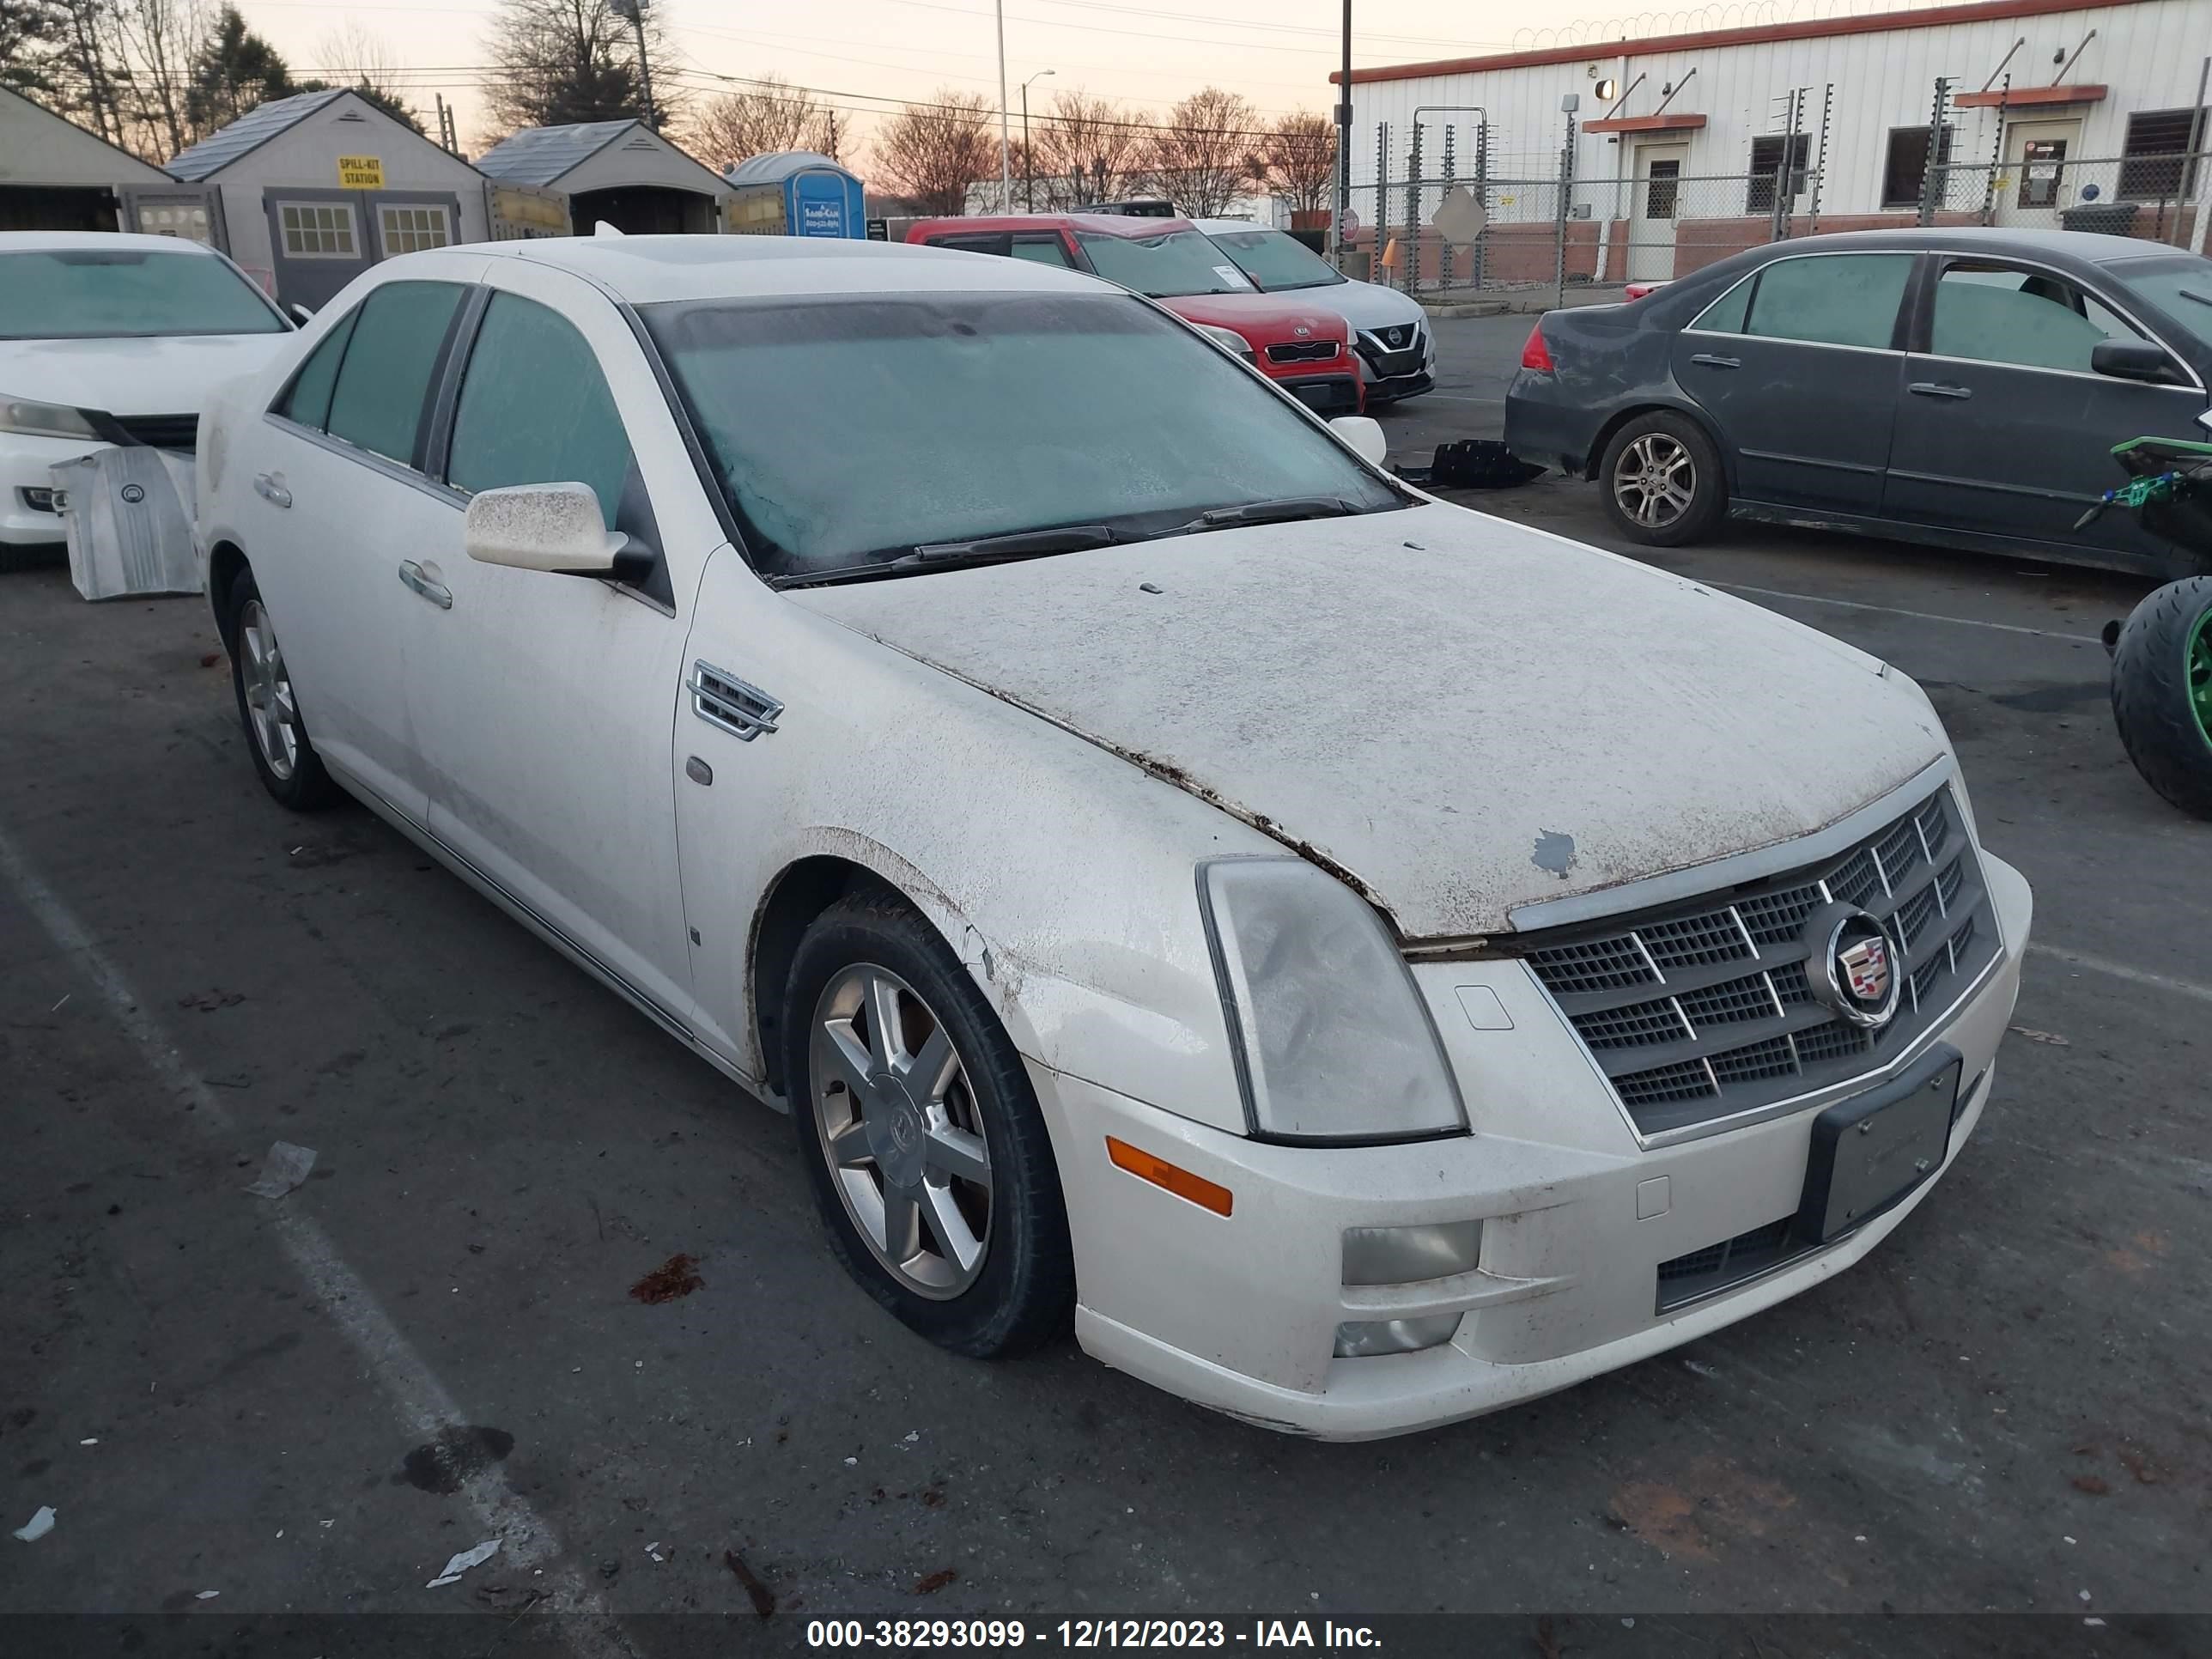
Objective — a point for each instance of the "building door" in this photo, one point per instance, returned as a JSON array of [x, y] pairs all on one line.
[[2036, 182], [1654, 202], [194, 213], [318, 243]]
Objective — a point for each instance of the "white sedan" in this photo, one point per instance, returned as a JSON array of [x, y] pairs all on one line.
[[1357, 962], [111, 339]]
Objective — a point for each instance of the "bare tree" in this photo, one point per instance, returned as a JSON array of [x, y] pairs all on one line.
[[1200, 156], [559, 61], [769, 114], [931, 153], [152, 44], [356, 56], [1297, 159], [1086, 150]]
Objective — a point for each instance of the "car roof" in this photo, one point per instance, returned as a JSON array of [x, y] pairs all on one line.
[[50, 242], [1097, 224], [648, 270], [2086, 246], [1212, 225]]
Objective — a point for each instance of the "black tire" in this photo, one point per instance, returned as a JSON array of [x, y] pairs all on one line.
[[296, 779], [1667, 438], [2161, 688], [1023, 1291]]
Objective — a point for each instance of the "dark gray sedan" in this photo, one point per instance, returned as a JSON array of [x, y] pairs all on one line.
[[1962, 387]]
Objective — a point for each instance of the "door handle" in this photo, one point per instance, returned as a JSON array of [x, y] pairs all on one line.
[[269, 486], [436, 591], [1931, 389], [1707, 360]]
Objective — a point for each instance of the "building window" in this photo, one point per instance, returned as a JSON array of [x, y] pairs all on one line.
[[1766, 161], [2159, 165], [1905, 169], [318, 230], [184, 220], [411, 229]]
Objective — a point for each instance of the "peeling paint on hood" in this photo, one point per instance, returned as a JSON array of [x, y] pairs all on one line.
[[1417, 719]]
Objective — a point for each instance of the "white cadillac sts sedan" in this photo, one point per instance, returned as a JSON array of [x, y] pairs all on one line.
[[1358, 962]]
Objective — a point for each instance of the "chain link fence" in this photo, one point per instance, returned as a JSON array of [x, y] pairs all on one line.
[[2153, 198]]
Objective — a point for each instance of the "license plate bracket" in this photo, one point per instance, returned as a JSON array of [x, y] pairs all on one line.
[[1873, 1150]]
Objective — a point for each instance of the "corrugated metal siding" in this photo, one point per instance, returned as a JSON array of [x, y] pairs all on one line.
[[539, 155], [2148, 54], [250, 131]]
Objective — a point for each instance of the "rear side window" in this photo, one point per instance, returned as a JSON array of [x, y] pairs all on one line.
[[1726, 314], [307, 399], [1838, 299], [981, 242], [1043, 251], [535, 408], [384, 384]]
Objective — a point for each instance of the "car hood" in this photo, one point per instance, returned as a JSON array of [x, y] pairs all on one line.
[[167, 374], [1365, 304], [1457, 716], [1262, 318]]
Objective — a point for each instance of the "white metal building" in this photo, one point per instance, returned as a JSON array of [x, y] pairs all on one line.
[[54, 175], [621, 172], [2052, 106]]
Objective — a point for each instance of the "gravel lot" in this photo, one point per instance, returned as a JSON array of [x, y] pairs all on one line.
[[308, 1405]]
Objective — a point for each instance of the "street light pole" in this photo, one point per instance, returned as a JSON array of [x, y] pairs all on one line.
[[1343, 147], [1029, 161], [1005, 157]]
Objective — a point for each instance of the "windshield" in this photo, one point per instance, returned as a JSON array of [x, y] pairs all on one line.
[[1181, 262], [95, 294], [1274, 261], [850, 431], [2180, 285]]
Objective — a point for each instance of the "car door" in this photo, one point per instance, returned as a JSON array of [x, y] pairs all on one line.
[[339, 498], [1799, 365], [545, 702], [2005, 428]]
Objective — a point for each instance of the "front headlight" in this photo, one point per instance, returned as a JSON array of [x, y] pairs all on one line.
[[1225, 337], [37, 420], [1331, 1039]]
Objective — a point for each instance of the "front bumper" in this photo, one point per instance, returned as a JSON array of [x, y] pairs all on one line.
[[1240, 1312], [24, 467], [1334, 392], [1389, 376]]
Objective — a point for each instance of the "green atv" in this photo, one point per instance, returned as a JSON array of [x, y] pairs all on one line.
[[2162, 653]]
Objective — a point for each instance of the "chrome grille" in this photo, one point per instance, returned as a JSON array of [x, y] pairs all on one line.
[[1702, 1009]]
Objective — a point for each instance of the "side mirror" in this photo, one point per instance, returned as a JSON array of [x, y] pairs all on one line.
[[1364, 436], [2131, 360], [299, 312], [557, 527]]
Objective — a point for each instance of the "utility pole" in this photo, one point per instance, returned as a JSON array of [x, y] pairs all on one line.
[[635, 11], [1344, 150], [1029, 161], [1005, 145]]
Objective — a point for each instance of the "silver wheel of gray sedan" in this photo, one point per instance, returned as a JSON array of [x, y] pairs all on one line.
[[899, 1126], [270, 706], [1654, 480]]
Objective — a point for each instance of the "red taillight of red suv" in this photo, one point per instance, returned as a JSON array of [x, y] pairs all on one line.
[[1536, 354]]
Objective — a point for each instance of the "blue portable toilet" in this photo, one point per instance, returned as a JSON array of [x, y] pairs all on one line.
[[795, 192]]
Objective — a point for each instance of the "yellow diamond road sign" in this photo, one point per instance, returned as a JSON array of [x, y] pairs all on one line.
[[361, 173]]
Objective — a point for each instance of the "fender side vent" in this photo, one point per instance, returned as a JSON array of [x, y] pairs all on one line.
[[724, 700]]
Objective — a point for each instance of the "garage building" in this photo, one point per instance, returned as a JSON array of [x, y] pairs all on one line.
[[54, 175], [619, 172]]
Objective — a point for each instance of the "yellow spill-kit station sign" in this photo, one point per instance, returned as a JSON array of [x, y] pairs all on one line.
[[361, 173]]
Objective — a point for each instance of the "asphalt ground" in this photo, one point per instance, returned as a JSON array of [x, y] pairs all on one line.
[[307, 1405]]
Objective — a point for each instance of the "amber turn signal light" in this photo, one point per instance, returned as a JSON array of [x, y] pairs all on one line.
[[1161, 1173]]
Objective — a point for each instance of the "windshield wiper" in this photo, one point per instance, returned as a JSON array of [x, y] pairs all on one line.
[[2191, 294], [1282, 510], [954, 555]]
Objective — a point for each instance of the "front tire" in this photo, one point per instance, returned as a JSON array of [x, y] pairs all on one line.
[[2162, 692], [921, 1136], [1663, 481], [276, 735]]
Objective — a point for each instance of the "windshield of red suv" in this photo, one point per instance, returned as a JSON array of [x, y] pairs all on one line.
[[1274, 261], [1180, 263]]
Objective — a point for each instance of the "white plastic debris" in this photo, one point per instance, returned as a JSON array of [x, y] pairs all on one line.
[[2084, 1595], [285, 1168], [852, 1462], [94, 1441], [2094, 1624], [461, 1563], [38, 1525], [653, 1550], [912, 1436], [207, 1595]]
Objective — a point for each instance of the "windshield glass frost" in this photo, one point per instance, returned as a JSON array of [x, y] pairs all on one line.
[[1182, 262], [2179, 285], [1274, 261], [849, 429], [87, 293]]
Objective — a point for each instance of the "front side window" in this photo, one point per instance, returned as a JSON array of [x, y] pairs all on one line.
[[112, 294], [1839, 299], [412, 229], [849, 432], [1043, 251], [535, 408], [1995, 313], [384, 384], [1181, 262], [318, 230], [1274, 261]]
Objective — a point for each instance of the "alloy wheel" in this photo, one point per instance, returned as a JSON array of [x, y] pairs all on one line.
[[270, 706], [1654, 480], [899, 1126]]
